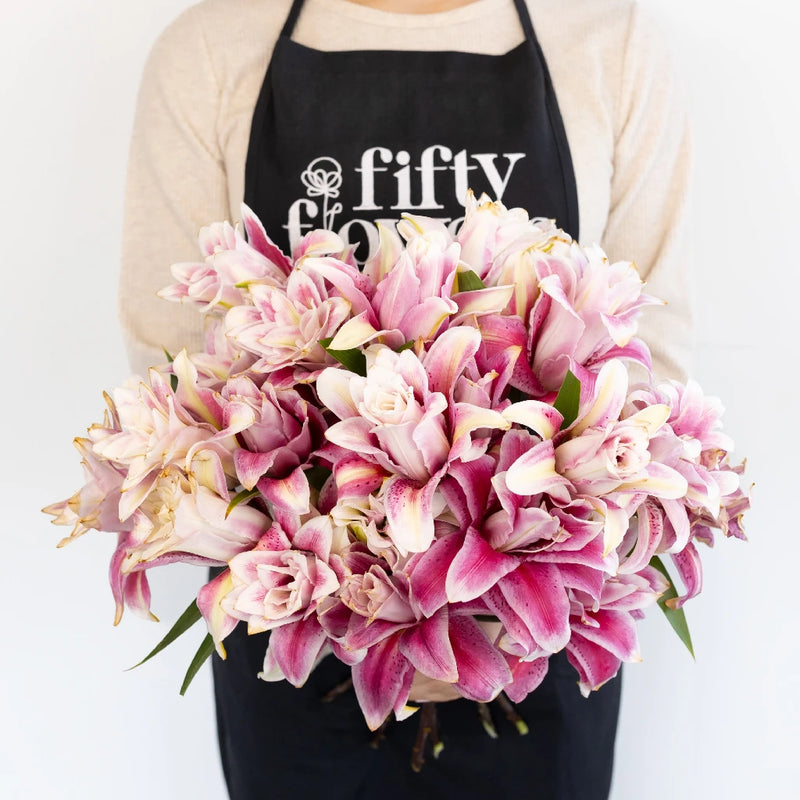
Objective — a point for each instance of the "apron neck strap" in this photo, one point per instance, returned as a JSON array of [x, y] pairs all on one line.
[[525, 19], [291, 20]]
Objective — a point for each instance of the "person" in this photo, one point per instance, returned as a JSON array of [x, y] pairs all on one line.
[[341, 113]]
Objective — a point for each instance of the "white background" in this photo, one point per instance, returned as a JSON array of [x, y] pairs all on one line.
[[75, 725]]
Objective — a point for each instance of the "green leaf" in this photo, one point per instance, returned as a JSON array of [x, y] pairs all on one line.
[[353, 359], [173, 379], [675, 616], [185, 621], [407, 346], [468, 281], [200, 657], [245, 494], [568, 400]]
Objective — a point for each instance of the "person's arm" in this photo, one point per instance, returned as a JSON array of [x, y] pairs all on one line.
[[647, 218], [176, 184]]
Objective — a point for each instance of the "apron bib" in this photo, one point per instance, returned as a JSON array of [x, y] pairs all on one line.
[[343, 140]]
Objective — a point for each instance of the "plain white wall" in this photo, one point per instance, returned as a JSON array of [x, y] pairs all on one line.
[[75, 725]]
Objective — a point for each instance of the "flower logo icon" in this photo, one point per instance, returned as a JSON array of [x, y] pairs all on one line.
[[323, 178]]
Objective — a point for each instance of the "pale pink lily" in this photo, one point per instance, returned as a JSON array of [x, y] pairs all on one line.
[[182, 521], [282, 579], [96, 505], [412, 298], [278, 586], [601, 453], [399, 417], [491, 233], [692, 443], [280, 432], [220, 357], [175, 524], [159, 433], [283, 327], [585, 315], [503, 246], [231, 265]]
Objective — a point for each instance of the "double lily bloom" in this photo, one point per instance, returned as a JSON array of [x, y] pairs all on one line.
[[383, 464]]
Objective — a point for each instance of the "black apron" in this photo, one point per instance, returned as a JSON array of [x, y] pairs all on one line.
[[342, 140]]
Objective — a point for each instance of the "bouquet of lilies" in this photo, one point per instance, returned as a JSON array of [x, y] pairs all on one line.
[[437, 463]]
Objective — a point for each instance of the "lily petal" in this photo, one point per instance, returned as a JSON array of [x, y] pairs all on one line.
[[540, 417], [448, 356], [527, 676], [381, 680], [427, 573], [295, 648], [482, 669], [610, 392], [219, 624], [536, 592], [409, 517], [291, 494], [615, 631], [594, 663], [535, 472], [427, 646], [475, 569]]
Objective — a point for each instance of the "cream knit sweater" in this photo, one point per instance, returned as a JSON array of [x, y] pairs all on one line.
[[624, 119]]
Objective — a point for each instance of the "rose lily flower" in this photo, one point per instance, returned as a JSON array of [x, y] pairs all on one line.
[[373, 626], [407, 295], [409, 302], [399, 417], [277, 431], [96, 505], [491, 234], [604, 632], [277, 586], [283, 327], [610, 458], [231, 264], [585, 315]]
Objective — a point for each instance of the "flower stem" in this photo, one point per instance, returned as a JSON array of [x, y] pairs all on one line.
[[428, 729], [511, 714], [486, 719]]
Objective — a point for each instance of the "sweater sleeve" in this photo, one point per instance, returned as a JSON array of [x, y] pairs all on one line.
[[176, 183], [647, 216]]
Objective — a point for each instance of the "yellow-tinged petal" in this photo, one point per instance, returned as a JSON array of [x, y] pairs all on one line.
[[209, 601], [540, 417], [651, 418], [610, 391], [354, 333]]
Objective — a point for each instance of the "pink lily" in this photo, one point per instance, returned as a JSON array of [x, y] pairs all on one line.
[[604, 632], [279, 434], [231, 264], [283, 327], [585, 314]]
